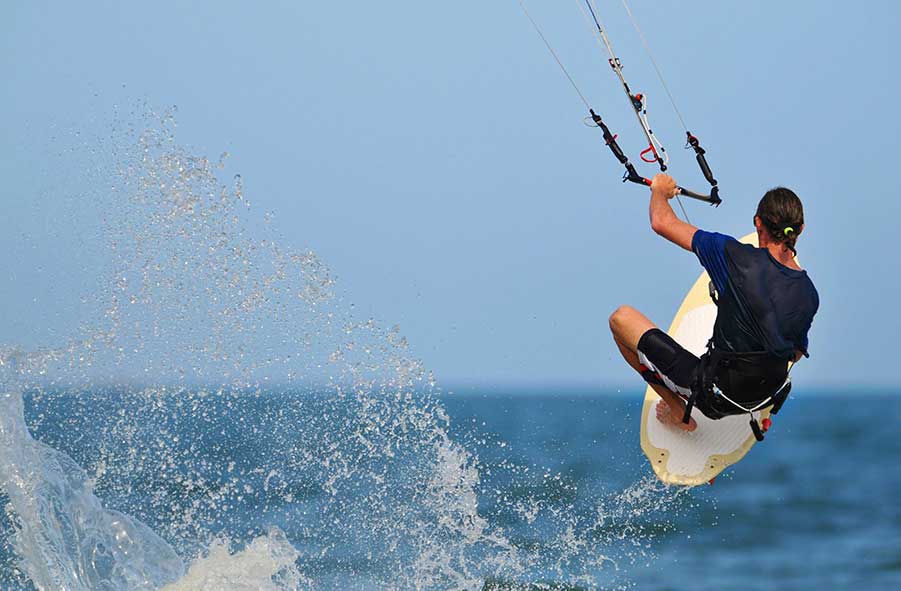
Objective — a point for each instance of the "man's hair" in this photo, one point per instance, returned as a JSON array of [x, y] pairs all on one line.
[[782, 216]]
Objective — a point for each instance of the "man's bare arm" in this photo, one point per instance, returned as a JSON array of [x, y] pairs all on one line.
[[664, 220]]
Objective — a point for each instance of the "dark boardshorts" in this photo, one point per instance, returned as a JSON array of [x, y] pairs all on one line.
[[666, 362], [669, 364]]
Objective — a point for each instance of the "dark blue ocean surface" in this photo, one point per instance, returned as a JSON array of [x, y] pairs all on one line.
[[816, 505], [557, 476]]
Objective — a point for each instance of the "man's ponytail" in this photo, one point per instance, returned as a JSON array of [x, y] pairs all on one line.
[[782, 215]]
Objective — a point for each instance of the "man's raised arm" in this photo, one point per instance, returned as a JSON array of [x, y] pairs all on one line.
[[664, 220]]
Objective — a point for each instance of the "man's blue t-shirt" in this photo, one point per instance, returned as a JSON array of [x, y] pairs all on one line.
[[763, 305]]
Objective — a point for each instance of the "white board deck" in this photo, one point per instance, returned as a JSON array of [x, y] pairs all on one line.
[[693, 458]]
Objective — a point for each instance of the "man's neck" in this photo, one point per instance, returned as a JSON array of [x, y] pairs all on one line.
[[783, 255]]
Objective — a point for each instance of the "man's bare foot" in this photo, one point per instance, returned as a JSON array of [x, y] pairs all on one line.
[[667, 416]]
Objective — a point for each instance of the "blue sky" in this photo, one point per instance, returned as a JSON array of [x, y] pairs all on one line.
[[434, 156]]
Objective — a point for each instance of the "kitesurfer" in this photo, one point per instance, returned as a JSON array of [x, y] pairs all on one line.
[[766, 304]]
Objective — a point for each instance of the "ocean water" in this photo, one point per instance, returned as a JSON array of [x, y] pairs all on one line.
[[223, 418], [815, 505]]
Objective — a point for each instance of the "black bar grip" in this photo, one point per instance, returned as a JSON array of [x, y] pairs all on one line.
[[705, 168], [633, 177], [713, 198], [695, 144], [609, 138]]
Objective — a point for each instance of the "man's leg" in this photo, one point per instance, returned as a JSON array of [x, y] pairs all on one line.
[[628, 325]]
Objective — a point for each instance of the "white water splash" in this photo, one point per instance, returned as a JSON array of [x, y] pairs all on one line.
[[63, 535], [364, 473], [266, 564]]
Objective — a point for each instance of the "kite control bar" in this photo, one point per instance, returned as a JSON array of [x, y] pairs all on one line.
[[632, 175], [655, 152]]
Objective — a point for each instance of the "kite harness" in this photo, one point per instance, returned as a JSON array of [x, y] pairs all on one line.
[[655, 152], [739, 372]]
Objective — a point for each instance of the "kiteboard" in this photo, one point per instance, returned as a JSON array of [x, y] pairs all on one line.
[[696, 457]]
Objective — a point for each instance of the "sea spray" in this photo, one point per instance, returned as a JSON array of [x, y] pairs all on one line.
[[225, 394], [266, 564], [63, 535]]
